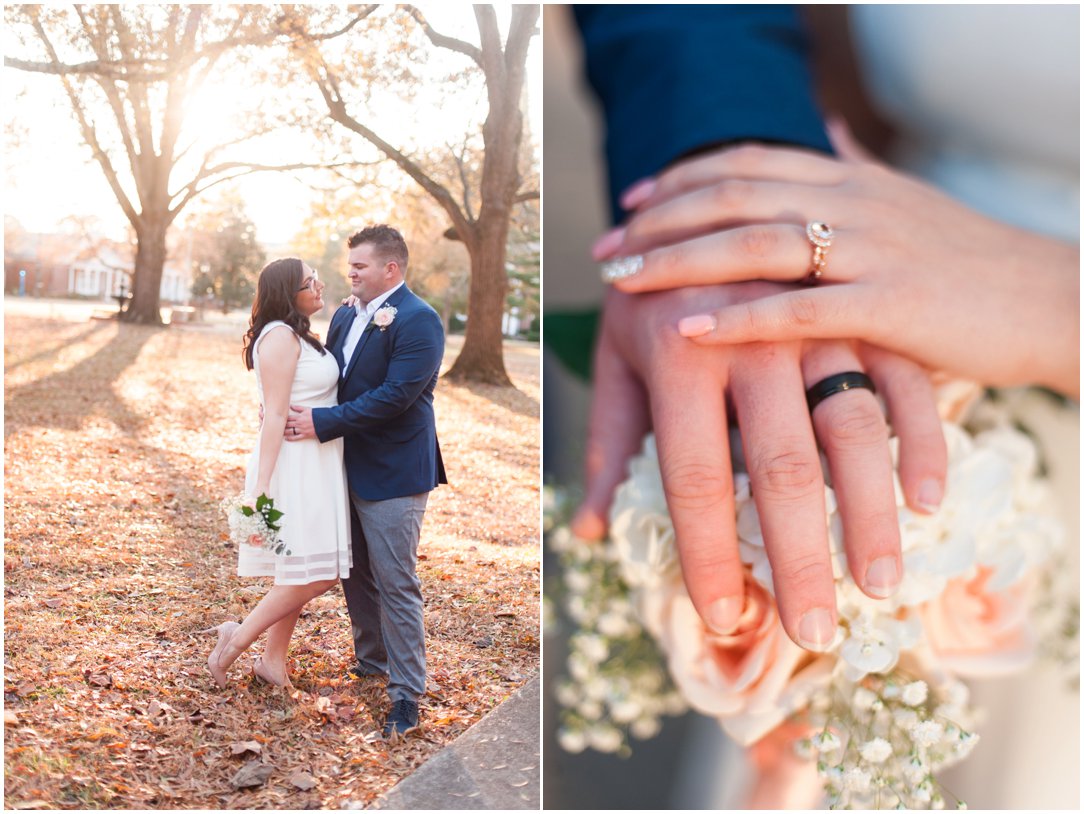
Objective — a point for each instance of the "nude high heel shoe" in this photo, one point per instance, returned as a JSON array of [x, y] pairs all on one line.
[[225, 633], [263, 674]]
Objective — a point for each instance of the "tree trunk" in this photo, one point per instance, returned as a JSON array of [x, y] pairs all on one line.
[[150, 259], [482, 357]]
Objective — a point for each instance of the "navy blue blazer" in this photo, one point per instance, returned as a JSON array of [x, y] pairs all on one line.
[[385, 411], [675, 79]]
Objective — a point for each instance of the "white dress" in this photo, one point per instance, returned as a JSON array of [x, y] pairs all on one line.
[[308, 484], [987, 101]]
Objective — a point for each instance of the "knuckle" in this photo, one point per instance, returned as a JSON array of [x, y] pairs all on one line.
[[851, 425], [756, 243], [783, 474], [802, 310], [748, 157], [695, 485], [731, 195], [641, 228], [805, 572], [669, 263], [708, 558]]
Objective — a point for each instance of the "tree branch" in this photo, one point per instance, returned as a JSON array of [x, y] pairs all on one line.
[[442, 40], [90, 136], [192, 188]]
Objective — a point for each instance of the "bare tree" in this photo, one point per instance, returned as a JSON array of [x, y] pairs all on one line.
[[128, 71], [481, 213]]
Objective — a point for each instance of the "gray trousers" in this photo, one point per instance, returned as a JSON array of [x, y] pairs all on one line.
[[383, 593]]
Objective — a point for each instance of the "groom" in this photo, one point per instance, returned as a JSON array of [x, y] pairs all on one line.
[[389, 347]]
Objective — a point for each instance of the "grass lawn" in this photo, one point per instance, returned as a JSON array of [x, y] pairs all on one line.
[[120, 441]]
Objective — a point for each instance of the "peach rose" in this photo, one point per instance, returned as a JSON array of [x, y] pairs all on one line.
[[974, 632], [752, 679]]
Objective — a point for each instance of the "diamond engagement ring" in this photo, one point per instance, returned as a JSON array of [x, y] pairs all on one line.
[[820, 237], [621, 267]]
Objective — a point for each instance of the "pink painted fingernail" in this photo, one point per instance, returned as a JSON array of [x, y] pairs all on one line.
[[882, 577], [723, 614], [816, 630], [609, 243], [696, 326], [638, 193], [930, 495]]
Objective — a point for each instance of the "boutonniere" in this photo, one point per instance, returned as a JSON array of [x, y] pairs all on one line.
[[383, 317]]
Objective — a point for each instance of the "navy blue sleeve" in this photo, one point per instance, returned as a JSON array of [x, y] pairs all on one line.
[[676, 79]]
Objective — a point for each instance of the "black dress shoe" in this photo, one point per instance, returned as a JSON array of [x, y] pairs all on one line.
[[357, 671], [401, 720]]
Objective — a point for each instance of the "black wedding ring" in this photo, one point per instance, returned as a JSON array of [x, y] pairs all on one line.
[[851, 380]]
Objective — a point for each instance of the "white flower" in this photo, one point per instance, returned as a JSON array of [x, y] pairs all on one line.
[[877, 750], [927, 733], [605, 738], [914, 693], [590, 709], [915, 772], [383, 317], [596, 688], [640, 525], [624, 711], [567, 695], [645, 728], [863, 699], [826, 742], [856, 779], [965, 744], [905, 718], [594, 648], [578, 582], [572, 741], [613, 625]]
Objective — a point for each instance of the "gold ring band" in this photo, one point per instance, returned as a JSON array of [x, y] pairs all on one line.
[[820, 236]]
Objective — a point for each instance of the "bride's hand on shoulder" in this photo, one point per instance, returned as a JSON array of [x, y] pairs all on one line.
[[350, 300], [908, 268]]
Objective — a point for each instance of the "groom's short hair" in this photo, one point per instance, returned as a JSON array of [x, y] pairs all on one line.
[[386, 241]]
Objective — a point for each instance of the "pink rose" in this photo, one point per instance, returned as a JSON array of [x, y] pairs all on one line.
[[752, 679], [255, 540], [974, 632], [383, 317]]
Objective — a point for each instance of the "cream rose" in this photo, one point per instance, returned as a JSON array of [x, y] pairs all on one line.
[[751, 680], [974, 631]]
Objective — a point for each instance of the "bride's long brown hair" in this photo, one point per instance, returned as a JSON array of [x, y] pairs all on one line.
[[276, 289]]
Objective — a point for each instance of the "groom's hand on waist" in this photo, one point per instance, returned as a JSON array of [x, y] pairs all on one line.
[[299, 424]]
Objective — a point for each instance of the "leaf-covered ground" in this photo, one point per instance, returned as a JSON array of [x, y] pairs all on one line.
[[120, 443]]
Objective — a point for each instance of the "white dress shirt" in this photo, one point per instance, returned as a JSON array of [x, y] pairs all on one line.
[[364, 316]]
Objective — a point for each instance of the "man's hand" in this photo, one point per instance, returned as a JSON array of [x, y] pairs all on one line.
[[688, 388], [299, 424]]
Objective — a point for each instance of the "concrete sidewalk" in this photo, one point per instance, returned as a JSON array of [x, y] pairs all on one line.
[[493, 765]]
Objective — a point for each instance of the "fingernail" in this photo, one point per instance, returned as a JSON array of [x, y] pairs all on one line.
[[930, 494], [609, 243], [696, 326], [816, 630], [723, 614], [587, 525], [638, 193], [882, 577], [622, 268]]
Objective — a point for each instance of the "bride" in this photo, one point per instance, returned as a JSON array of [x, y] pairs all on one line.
[[906, 267], [305, 479]]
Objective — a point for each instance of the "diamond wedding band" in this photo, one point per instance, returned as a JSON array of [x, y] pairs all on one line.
[[820, 237]]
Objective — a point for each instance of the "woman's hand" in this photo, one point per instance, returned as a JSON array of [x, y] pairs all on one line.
[[688, 389], [909, 269]]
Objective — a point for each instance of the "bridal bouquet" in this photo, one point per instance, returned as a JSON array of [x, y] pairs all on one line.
[[255, 523], [884, 708]]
